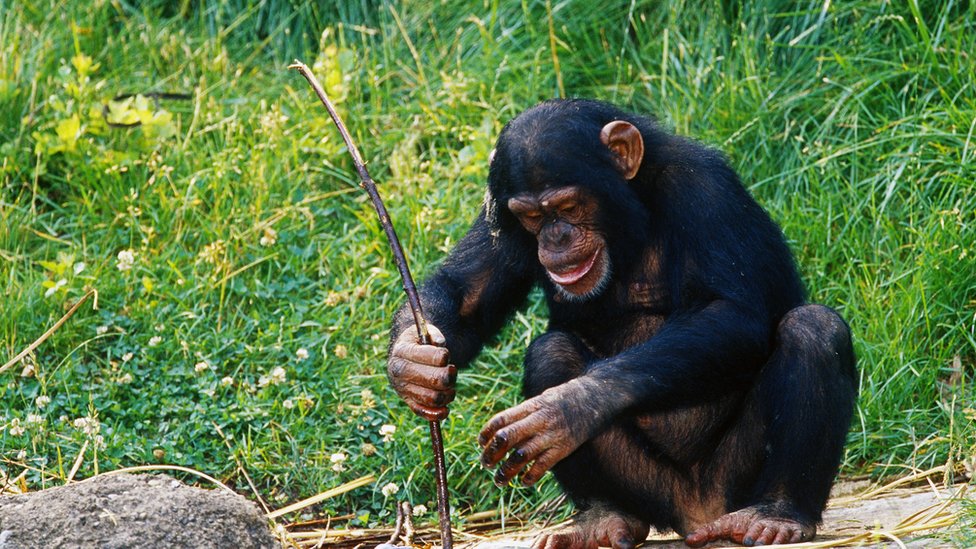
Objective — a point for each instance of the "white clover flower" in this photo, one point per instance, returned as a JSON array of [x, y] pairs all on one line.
[[387, 431], [338, 461], [127, 357], [288, 404], [211, 253], [125, 260], [341, 351], [42, 401], [369, 399], [390, 489], [34, 420], [269, 237], [78, 267], [227, 381], [155, 340], [420, 510], [278, 375], [124, 379], [15, 428], [201, 366], [301, 354], [88, 425], [333, 299], [101, 330], [22, 455]]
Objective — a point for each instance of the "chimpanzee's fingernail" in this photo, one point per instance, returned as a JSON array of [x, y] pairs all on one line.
[[500, 479]]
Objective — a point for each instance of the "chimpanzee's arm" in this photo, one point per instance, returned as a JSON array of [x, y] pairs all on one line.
[[480, 283], [736, 280], [696, 356]]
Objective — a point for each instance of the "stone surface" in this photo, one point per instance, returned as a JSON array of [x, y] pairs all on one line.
[[132, 511]]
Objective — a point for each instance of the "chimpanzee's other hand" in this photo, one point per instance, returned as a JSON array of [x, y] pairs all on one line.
[[538, 433], [421, 374]]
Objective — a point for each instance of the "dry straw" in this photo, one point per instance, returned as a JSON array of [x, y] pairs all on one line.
[[483, 527]]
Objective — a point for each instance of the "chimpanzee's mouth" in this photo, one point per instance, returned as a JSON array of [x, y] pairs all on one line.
[[574, 273]]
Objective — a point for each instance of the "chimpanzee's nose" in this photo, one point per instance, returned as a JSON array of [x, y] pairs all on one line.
[[556, 236]]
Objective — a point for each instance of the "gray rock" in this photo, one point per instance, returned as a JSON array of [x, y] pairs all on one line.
[[132, 511]]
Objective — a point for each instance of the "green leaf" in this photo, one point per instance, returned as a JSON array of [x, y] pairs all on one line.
[[56, 268], [68, 132], [84, 64], [121, 112]]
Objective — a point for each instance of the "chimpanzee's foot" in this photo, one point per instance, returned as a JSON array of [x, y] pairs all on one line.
[[752, 526], [595, 527]]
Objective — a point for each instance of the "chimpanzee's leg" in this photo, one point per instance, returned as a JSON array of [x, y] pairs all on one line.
[[797, 420], [553, 359]]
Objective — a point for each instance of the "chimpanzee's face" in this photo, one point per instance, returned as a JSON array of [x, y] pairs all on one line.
[[571, 247]]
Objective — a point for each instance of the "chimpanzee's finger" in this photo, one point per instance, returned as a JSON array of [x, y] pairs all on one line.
[[436, 337], [421, 354], [542, 464], [425, 397], [428, 413], [516, 435], [517, 460], [506, 417], [507, 470], [432, 377]]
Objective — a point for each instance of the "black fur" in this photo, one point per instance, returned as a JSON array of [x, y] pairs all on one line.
[[734, 390]]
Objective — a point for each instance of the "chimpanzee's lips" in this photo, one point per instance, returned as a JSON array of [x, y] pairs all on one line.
[[574, 273]]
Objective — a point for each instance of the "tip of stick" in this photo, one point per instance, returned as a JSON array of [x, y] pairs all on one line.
[[296, 64]]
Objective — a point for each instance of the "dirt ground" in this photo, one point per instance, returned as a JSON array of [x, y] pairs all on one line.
[[132, 511]]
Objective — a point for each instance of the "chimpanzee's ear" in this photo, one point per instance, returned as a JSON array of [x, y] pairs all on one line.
[[627, 144]]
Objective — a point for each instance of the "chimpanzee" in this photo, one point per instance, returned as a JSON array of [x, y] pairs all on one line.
[[683, 382]]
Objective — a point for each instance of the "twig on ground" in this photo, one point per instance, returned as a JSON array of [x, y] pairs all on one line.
[[362, 481], [30, 348]]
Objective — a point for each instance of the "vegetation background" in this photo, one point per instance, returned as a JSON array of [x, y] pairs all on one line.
[[245, 289]]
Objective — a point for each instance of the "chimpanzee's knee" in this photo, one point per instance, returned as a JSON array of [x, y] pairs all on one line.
[[816, 331], [553, 359]]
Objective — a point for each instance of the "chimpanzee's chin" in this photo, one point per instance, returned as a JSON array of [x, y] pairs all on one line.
[[574, 293]]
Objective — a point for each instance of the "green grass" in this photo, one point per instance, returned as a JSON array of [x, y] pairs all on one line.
[[855, 126]]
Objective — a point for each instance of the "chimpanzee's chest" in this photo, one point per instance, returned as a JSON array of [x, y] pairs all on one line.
[[634, 309], [644, 304]]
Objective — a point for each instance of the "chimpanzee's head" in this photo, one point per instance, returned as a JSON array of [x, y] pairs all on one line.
[[561, 172]]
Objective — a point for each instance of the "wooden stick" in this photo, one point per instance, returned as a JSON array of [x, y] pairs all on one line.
[[366, 182]]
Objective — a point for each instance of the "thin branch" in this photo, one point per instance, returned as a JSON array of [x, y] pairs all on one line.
[[366, 182], [30, 348]]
